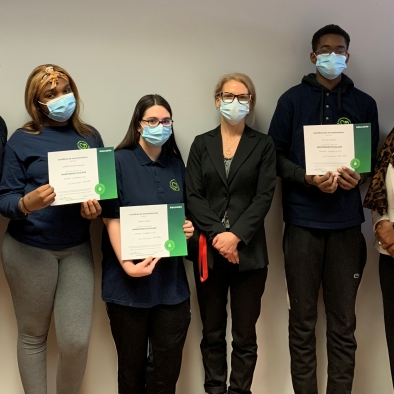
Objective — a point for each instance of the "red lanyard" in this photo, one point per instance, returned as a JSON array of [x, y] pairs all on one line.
[[203, 257]]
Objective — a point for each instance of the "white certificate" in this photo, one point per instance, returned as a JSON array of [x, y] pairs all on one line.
[[329, 147], [152, 230], [82, 174]]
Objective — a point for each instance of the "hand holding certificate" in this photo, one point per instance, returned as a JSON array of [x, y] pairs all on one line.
[[82, 175], [144, 268], [330, 147], [37, 199], [152, 230]]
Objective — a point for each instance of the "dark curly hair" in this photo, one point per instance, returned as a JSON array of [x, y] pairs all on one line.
[[329, 29]]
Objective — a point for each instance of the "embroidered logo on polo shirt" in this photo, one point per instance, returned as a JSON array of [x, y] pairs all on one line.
[[83, 145], [174, 185], [344, 121]]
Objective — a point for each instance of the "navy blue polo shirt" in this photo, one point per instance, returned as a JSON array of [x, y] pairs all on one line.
[[142, 181]]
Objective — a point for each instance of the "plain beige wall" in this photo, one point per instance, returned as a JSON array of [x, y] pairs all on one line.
[[121, 50]]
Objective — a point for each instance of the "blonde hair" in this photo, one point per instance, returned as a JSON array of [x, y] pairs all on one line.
[[35, 84], [239, 77]]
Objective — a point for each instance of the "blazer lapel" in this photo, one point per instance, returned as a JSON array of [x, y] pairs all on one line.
[[213, 143], [246, 145]]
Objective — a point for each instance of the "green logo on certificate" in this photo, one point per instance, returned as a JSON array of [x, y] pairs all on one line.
[[174, 185], [355, 163], [83, 145], [100, 188], [169, 245]]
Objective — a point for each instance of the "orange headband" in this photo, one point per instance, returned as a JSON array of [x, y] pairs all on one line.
[[51, 76]]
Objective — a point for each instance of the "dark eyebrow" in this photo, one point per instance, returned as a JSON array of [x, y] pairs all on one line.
[[48, 90], [329, 46], [241, 94], [52, 90]]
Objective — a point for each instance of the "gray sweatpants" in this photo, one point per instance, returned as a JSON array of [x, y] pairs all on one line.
[[42, 281]]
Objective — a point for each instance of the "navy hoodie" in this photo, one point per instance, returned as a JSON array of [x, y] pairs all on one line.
[[310, 103]]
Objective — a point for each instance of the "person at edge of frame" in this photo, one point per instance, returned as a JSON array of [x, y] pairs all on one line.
[[230, 183], [322, 243], [46, 251], [3, 140], [380, 200]]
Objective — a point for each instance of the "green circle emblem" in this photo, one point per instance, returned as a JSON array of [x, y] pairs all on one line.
[[169, 245], [99, 188], [83, 145], [344, 121], [174, 185], [355, 163]]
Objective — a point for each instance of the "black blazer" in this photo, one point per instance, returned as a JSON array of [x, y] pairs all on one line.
[[246, 194]]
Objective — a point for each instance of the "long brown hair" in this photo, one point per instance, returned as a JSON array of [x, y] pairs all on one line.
[[132, 136], [31, 101]]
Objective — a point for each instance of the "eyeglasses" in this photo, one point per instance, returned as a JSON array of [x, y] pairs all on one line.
[[152, 122], [229, 97], [326, 51]]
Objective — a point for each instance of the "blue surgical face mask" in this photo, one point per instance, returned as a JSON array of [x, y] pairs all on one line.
[[156, 135], [330, 65], [61, 108], [233, 112]]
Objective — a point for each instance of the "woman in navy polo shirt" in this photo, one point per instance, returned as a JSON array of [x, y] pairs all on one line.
[[147, 302], [46, 252]]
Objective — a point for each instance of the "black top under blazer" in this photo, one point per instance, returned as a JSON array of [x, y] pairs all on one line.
[[246, 194]]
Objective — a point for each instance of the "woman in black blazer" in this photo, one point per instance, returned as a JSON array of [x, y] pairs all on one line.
[[230, 182]]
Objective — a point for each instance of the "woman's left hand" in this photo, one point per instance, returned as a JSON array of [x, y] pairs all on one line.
[[233, 257], [90, 209], [188, 229], [390, 250], [385, 233], [348, 178], [225, 243]]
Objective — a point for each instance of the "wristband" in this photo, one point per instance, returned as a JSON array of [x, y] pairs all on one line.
[[20, 207], [24, 206]]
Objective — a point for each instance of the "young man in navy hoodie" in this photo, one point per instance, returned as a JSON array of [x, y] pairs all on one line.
[[323, 243]]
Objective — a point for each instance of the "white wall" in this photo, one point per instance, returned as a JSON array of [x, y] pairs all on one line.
[[121, 50]]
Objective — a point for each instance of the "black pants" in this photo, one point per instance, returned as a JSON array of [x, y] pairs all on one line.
[[386, 273], [335, 259], [246, 290], [164, 328]]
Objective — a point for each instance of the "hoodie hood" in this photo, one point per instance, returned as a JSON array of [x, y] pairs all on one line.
[[345, 84]]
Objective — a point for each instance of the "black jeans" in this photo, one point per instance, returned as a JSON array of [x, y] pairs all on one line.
[[246, 290], [335, 259], [386, 273], [163, 328]]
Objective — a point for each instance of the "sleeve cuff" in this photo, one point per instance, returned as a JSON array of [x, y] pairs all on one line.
[[376, 218], [16, 212], [299, 176]]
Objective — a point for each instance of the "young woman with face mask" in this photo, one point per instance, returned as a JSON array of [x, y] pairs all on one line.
[[147, 301], [230, 182], [46, 250]]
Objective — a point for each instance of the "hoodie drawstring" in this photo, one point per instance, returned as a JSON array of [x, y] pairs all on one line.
[[339, 100]]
